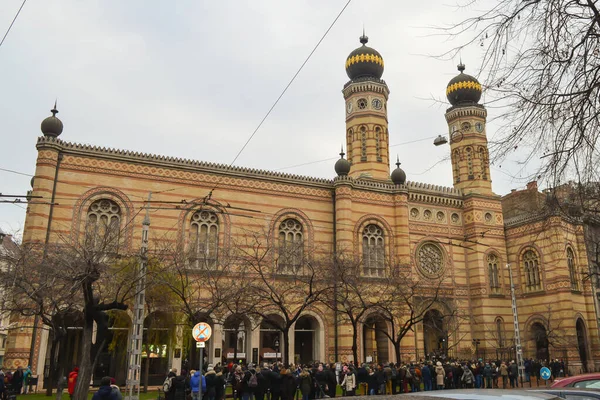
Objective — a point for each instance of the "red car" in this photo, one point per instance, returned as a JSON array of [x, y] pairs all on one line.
[[581, 381]]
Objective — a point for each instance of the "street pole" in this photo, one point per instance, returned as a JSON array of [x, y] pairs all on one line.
[[136, 335], [201, 372], [518, 347]]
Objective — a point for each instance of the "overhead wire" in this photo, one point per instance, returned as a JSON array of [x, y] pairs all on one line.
[[282, 93], [12, 23]]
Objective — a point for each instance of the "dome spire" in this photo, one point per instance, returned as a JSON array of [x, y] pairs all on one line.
[[342, 166], [398, 175], [342, 154], [461, 66], [364, 39], [52, 126]]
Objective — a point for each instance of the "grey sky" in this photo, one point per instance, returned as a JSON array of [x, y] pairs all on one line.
[[193, 79]]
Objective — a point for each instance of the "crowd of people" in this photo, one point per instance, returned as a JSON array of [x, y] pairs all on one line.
[[14, 382], [288, 382]]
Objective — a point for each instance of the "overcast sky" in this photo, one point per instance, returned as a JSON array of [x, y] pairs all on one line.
[[194, 78]]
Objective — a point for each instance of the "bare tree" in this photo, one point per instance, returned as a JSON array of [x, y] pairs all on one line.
[[541, 65], [285, 280], [406, 299], [353, 295]]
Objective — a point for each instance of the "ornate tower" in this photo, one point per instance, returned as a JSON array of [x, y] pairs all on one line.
[[468, 142], [366, 96]]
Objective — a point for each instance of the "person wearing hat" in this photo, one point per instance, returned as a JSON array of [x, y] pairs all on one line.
[[440, 374], [211, 383], [72, 381], [115, 389]]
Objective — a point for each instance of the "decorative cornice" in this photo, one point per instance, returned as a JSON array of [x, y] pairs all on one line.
[[538, 216], [366, 84], [472, 110], [165, 161]]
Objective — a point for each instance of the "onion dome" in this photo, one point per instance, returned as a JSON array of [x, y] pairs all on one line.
[[398, 175], [463, 89], [342, 166], [364, 61], [52, 126]]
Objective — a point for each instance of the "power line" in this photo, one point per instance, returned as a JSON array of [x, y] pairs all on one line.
[[283, 92], [13, 21]]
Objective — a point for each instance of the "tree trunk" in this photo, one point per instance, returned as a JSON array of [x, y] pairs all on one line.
[[286, 347], [52, 375], [397, 350], [355, 342], [85, 368]]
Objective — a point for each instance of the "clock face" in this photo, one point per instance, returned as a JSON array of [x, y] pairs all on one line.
[[466, 126], [479, 127], [377, 103], [349, 107]]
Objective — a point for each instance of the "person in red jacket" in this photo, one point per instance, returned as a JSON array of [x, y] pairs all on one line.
[[72, 381]]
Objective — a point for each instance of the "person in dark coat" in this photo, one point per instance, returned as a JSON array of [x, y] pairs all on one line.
[[275, 383], [288, 384], [180, 386], [305, 383], [331, 381], [380, 379], [105, 391], [219, 384], [211, 383], [262, 388]]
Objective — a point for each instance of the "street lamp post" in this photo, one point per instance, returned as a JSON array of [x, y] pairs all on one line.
[[276, 345], [518, 348]]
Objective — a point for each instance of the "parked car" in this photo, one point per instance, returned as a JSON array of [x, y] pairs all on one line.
[[572, 393], [480, 394], [578, 381]]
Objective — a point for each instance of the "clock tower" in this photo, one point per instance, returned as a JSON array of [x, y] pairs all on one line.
[[366, 96], [468, 142]]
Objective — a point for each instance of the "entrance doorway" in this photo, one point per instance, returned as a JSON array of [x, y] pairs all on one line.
[[582, 343], [271, 339], [375, 340], [435, 337], [539, 336], [236, 331], [305, 343]]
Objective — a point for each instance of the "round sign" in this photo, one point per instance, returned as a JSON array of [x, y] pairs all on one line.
[[545, 373], [201, 332]]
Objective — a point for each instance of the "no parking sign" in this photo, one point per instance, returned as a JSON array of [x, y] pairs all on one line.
[[201, 332]]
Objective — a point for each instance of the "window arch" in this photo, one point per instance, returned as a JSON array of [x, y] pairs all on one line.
[[291, 245], [494, 273], [103, 226], [349, 140], [531, 267], [373, 250], [204, 238], [572, 269], [378, 143]]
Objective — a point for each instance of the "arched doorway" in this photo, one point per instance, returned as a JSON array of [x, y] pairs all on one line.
[[271, 339], [435, 335], [539, 337], [582, 343], [112, 359], [375, 341], [159, 331], [236, 335], [306, 345]]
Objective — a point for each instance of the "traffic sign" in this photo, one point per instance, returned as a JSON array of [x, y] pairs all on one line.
[[545, 373], [200, 345], [201, 332]]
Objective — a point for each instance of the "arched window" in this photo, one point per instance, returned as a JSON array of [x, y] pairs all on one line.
[[572, 269], [531, 267], [456, 157], [500, 332], [483, 160], [363, 143], [494, 273], [469, 153], [373, 251], [349, 141], [378, 143], [291, 246], [103, 226], [204, 238]]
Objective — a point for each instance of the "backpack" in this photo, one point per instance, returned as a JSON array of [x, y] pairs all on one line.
[[167, 384], [394, 373], [253, 381]]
